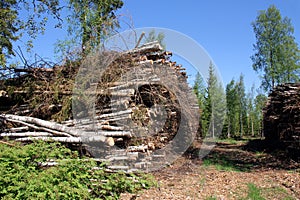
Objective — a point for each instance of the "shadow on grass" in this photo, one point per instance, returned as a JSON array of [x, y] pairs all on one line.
[[246, 156]]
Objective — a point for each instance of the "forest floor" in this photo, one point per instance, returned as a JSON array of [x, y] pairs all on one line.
[[232, 170]]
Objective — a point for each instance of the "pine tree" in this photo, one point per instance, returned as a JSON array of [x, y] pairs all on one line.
[[231, 109], [200, 91], [242, 105], [215, 107]]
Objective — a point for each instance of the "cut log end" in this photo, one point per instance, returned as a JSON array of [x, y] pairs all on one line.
[[110, 141]]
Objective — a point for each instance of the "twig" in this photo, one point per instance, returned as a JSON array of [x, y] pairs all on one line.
[[7, 143], [140, 39]]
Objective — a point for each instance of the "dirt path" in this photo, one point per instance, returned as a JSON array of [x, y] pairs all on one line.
[[230, 171]]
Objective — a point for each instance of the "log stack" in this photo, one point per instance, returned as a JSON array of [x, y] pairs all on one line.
[[142, 102], [282, 117]]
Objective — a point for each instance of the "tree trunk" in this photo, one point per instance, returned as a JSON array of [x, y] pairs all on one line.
[[228, 131], [51, 125]]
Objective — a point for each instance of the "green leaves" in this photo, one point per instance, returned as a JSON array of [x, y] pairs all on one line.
[[9, 25], [93, 20], [212, 103], [276, 52], [23, 17], [152, 36], [23, 177]]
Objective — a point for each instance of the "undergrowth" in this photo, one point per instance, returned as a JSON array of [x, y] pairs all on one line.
[[23, 175]]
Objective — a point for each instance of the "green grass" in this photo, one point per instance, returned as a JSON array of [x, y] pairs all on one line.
[[259, 154], [278, 191], [229, 141], [222, 163], [254, 193], [211, 198]]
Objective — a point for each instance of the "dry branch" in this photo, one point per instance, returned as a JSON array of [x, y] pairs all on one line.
[[112, 115], [7, 143]]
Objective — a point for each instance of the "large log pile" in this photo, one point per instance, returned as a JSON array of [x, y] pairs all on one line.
[[282, 117], [142, 100]]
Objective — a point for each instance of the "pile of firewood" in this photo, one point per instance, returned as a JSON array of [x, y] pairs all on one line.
[[142, 100], [282, 116]]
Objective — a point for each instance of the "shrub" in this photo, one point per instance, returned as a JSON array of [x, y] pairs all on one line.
[[23, 175]]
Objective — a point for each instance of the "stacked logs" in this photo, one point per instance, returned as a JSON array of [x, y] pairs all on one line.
[[282, 116], [142, 102]]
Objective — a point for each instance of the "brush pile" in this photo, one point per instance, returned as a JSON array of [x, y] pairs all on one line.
[[133, 109]]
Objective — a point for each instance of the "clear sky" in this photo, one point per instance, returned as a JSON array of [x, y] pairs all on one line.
[[221, 27]]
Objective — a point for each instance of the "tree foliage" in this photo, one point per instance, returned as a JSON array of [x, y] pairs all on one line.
[[24, 175], [14, 23], [237, 109], [232, 119], [92, 21], [259, 102], [242, 105], [152, 36], [244, 110], [199, 89], [88, 22], [8, 28], [276, 53], [212, 104]]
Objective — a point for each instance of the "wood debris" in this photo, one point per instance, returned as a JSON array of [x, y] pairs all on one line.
[[138, 112], [282, 117]]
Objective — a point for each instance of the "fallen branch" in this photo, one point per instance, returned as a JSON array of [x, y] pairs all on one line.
[[129, 111], [7, 143]]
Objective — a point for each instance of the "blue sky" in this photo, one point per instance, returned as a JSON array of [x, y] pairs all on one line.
[[221, 27]]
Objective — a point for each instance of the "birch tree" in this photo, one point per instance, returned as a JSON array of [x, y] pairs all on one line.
[[276, 54]]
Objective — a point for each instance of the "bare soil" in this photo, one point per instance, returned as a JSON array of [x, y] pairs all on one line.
[[225, 174]]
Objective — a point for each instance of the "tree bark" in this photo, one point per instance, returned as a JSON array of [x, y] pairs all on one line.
[[51, 125]]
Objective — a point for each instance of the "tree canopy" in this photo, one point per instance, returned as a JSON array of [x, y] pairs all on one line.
[[93, 20], [212, 103], [276, 53], [87, 21], [13, 26]]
